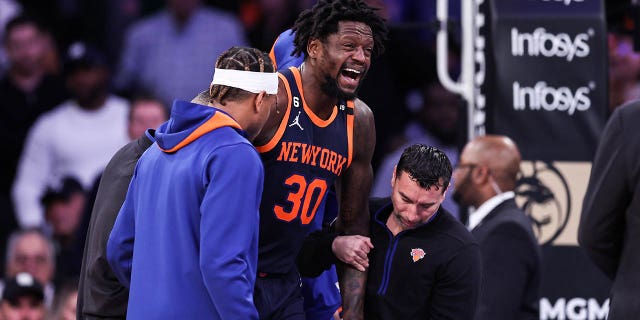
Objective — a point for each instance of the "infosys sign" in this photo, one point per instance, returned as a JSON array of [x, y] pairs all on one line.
[[546, 44], [541, 79], [546, 76]]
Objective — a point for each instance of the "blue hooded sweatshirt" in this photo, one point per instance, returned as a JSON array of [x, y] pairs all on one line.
[[186, 239]]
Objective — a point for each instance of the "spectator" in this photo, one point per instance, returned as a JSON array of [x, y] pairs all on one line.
[[145, 113], [437, 125], [32, 252], [27, 91], [22, 299], [624, 62], [64, 207], [171, 54], [76, 139], [64, 307], [609, 225], [485, 179], [423, 263], [8, 10]]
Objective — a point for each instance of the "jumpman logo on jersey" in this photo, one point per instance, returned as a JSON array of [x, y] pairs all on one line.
[[296, 122]]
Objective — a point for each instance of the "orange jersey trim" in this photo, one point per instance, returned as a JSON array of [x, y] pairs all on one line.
[[272, 54], [218, 120], [283, 124], [314, 118], [350, 119]]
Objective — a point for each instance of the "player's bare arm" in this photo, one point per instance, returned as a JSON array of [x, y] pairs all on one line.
[[353, 192]]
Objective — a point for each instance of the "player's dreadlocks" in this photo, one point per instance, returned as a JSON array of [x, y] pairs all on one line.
[[322, 20], [239, 58]]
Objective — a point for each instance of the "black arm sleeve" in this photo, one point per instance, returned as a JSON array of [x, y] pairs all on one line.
[[316, 255]]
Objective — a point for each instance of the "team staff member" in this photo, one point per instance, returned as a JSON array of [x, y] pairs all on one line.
[[185, 241], [319, 134], [609, 229], [485, 179], [100, 294], [424, 264]]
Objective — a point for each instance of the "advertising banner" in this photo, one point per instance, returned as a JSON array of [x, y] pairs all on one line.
[[541, 79]]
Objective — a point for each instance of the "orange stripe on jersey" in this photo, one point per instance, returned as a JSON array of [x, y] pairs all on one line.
[[272, 54], [350, 118], [283, 124], [314, 118], [218, 120]]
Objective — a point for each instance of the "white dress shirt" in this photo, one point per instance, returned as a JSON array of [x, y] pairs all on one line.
[[476, 217]]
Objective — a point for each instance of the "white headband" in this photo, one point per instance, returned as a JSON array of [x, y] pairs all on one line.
[[255, 82]]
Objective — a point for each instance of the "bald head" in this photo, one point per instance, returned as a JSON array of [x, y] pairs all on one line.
[[202, 98], [500, 154]]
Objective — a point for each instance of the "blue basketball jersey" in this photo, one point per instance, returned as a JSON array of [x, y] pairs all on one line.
[[301, 162]]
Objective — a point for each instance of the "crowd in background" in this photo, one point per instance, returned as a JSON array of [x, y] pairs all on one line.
[[79, 79]]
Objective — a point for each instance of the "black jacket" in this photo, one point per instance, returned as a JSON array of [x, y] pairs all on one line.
[[610, 222], [511, 265], [442, 283], [100, 295]]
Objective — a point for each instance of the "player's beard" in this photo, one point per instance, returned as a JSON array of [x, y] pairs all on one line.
[[330, 87]]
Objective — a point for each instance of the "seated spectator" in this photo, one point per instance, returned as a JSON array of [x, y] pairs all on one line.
[[171, 53], [8, 10], [32, 252], [77, 138], [64, 307], [145, 113], [624, 61], [22, 299], [64, 208], [27, 91]]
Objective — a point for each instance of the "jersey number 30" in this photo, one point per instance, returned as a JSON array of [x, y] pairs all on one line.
[[302, 197]]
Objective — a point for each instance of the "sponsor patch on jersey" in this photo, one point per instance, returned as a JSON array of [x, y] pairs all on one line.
[[417, 254]]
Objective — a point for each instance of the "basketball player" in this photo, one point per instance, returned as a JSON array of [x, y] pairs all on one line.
[[319, 134], [185, 241]]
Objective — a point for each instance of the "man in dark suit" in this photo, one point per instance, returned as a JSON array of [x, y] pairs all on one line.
[[484, 179], [100, 295], [610, 223]]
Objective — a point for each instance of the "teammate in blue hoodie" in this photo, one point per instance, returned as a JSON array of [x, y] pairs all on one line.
[[186, 239]]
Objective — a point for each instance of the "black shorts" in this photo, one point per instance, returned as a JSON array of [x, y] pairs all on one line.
[[279, 297]]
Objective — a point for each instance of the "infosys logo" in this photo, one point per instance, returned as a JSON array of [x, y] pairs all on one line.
[[547, 98], [547, 44]]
